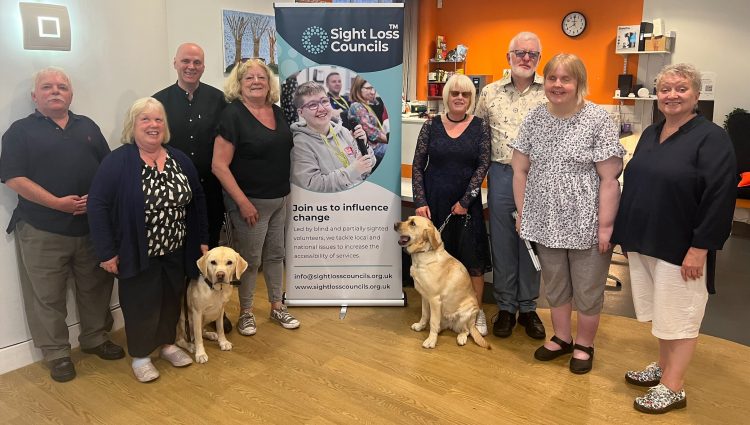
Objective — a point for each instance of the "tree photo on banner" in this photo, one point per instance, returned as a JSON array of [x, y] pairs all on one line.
[[345, 196]]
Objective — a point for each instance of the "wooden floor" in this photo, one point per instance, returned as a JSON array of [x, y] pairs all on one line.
[[370, 368]]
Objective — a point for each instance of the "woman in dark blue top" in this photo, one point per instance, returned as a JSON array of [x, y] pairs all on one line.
[[675, 212], [147, 214]]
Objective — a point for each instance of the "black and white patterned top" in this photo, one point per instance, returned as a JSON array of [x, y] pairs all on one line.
[[561, 202], [166, 194]]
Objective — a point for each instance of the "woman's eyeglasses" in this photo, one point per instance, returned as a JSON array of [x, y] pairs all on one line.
[[464, 94], [315, 104], [521, 53]]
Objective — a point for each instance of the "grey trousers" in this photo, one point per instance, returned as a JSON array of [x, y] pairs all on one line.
[[45, 262], [262, 243], [515, 280]]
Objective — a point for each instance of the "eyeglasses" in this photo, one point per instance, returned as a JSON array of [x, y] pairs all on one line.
[[368, 88], [315, 104], [521, 53], [464, 94]]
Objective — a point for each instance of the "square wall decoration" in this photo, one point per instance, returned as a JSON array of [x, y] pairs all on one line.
[[45, 26]]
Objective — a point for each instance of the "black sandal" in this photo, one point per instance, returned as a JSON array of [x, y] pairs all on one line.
[[545, 354], [579, 366]]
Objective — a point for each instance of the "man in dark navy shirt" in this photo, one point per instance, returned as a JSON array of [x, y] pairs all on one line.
[[193, 109], [49, 158]]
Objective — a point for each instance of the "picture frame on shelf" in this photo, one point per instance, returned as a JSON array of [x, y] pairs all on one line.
[[627, 39]]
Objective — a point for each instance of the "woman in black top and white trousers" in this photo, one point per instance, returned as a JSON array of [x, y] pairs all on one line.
[[675, 212], [252, 162]]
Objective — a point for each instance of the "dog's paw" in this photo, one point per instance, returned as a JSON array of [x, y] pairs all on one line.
[[201, 357], [190, 347], [418, 326], [462, 338], [429, 342], [225, 345], [211, 336]]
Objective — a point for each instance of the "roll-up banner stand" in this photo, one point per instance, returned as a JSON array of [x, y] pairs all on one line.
[[341, 249]]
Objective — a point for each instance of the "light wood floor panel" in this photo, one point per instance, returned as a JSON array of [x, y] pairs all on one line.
[[370, 368]]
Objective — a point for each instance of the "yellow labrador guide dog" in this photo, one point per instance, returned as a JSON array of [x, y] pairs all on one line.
[[206, 297], [448, 299]]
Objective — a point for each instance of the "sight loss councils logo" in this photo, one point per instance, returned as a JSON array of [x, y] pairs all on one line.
[[314, 40]]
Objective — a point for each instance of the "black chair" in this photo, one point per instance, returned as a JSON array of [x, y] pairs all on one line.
[[738, 127]]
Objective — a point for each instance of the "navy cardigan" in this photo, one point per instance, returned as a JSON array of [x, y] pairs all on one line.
[[117, 218]]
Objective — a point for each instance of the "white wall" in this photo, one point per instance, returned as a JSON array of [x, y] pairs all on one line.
[[712, 36]]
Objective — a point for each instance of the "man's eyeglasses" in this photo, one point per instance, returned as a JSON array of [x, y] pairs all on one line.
[[315, 104], [464, 94], [521, 53]]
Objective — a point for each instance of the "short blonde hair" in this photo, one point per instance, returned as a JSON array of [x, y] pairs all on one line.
[[233, 83], [574, 65], [684, 70], [459, 82], [140, 106]]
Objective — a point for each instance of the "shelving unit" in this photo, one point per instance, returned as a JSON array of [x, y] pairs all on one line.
[[435, 87]]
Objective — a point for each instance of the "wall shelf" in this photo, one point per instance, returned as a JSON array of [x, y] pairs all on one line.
[[647, 52], [650, 98]]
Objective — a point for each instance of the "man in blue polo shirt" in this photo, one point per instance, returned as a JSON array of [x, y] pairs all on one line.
[[49, 158]]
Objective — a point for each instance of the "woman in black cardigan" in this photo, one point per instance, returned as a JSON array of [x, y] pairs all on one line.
[[148, 222]]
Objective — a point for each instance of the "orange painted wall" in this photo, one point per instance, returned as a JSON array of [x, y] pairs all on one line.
[[486, 28]]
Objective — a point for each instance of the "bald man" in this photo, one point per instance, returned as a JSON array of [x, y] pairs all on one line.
[[193, 109]]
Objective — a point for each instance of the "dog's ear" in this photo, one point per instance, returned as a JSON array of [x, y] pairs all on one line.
[[241, 265], [434, 237], [203, 264]]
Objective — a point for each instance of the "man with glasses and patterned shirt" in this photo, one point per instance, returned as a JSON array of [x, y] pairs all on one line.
[[504, 104]]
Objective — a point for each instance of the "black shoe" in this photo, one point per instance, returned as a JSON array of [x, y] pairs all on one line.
[[227, 325], [545, 354], [107, 350], [533, 324], [504, 323], [62, 369], [579, 366]]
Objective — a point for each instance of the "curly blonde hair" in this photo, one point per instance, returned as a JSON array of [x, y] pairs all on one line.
[[233, 83]]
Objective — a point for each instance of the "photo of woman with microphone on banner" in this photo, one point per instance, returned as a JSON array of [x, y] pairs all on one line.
[[327, 157]]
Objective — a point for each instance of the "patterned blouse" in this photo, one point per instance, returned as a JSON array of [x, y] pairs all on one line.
[[561, 202], [166, 194]]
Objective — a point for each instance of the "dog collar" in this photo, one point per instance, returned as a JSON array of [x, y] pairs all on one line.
[[208, 282]]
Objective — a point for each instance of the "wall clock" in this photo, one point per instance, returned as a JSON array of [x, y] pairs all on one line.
[[573, 24]]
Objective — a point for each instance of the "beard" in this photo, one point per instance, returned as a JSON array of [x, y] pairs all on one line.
[[522, 72]]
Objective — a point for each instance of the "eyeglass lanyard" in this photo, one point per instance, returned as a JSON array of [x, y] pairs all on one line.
[[339, 154], [374, 115], [338, 101], [466, 222]]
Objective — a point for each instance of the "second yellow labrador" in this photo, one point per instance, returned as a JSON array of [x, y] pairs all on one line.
[[448, 299], [206, 297]]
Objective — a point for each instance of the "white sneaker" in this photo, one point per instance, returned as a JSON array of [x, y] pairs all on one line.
[[246, 324], [284, 318], [481, 323]]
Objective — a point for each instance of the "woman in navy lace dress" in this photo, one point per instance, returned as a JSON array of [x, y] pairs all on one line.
[[450, 161]]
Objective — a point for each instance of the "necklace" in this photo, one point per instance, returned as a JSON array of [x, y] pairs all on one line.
[[452, 120], [153, 159]]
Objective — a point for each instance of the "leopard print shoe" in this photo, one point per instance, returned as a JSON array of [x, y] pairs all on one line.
[[648, 377], [660, 399]]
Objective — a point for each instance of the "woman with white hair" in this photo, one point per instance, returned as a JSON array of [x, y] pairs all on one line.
[[450, 162], [677, 204], [147, 214]]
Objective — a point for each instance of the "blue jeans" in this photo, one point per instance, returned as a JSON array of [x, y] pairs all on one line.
[[515, 281]]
